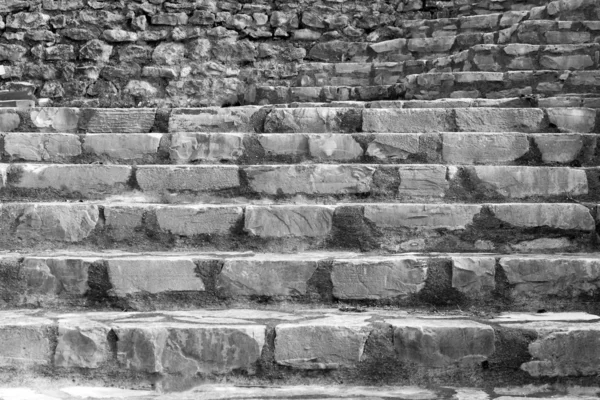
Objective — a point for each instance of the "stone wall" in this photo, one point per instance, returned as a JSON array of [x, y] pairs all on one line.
[[208, 52]]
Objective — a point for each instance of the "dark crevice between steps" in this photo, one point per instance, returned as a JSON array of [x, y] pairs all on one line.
[[533, 155], [352, 231], [161, 120], [319, 285], [12, 281], [99, 285], [208, 271], [132, 181], [438, 290]]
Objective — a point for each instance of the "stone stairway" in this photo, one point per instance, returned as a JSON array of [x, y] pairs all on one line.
[[398, 202]]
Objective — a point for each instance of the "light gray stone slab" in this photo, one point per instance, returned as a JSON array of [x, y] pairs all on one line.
[[190, 220], [295, 221]]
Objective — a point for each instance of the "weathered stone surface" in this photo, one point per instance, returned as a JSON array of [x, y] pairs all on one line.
[[96, 50], [469, 148], [9, 120], [189, 348], [197, 178], [82, 343], [423, 181], [407, 120], [129, 146], [189, 146], [310, 179], [41, 146], [284, 144], [378, 277], [24, 340], [338, 147], [55, 119], [272, 276], [440, 343], [553, 215], [139, 120], [122, 220], [551, 276], [56, 276], [499, 120], [313, 120], [391, 146], [473, 275], [198, 219], [295, 221], [433, 216], [129, 276], [579, 120], [521, 182], [576, 61], [559, 148], [327, 343], [82, 178], [431, 45], [168, 53], [50, 221], [234, 119]]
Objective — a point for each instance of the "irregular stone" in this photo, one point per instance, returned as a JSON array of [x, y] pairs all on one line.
[[310, 179], [284, 144], [521, 182], [313, 120], [41, 146], [443, 342], [12, 52], [25, 20], [96, 50], [438, 44], [326, 343], [172, 19], [55, 119], [553, 215], [535, 245], [60, 52], [579, 61], [338, 147], [25, 340], [499, 120], [272, 276], [432, 216], [407, 120], [129, 276], [558, 148], [282, 221], [57, 276], [394, 146], [122, 146], [82, 178], [99, 120], [9, 120], [469, 148], [423, 180], [188, 146], [551, 276], [200, 219], [579, 120], [378, 277], [233, 119], [188, 348], [82, 343], [119, 35], [169, 53], [473, 275], [197, 178]]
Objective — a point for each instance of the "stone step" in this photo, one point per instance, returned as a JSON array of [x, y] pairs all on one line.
[[147, 281], [222, 183], [459, 148], [171, 348], [386, 227]]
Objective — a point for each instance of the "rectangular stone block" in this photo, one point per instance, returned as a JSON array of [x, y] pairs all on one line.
[[334, 147], [295, 221], [55, 119], [190, 220], [432, 216], [394, 146], [214, 119], [407, 120], [423, 181], [99, 120], [190, 146], [284, 144], [474, 276], [575, 120], [122, 146], [24, 340], [51, 147], [196, 178], [313, 120], [500, 120], [553, 215], [481, 148]]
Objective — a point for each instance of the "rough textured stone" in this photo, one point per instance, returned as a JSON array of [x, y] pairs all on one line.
[[378, 278], [82, 343], [41, 146], [434, 216], [9, 120], [390, 146], [266, 276], [197, 178], [423, 181], [327, 343], [338, 147], [558, 148], [237, 119], [440, 343], [473, 275], [313, 120], [120, 121], [122, 146], [522, 182], [407, 121], [198, 219], [129, 276], [188, 146], [55, 119], [310, 179], [295, 221], [559, 216], [579, 120], [61, 276], [24, 341], [499, 120], [469, 148]]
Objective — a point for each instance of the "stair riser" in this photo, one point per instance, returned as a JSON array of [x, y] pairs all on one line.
[[176, 281], [393, 228], [219, 184]]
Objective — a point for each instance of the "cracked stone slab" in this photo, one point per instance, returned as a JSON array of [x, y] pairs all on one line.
[[100, 120], [407, 120], [313, 120], [213, 119], [295, 221]]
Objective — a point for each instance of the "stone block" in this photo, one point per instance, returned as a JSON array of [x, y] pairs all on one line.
[[129, 276], [407, 120], [130, 146], [196, 178], [394, 146], [123, 220], [24, 340], [577, 61], [499, 120], [429, 216], [284, 144], [552, 215], [139, 120], [212, 119], [438, 44], [578, 120], [313, 120], [41, 146], [335, 147], [63, 119], [82, 343], [423, 181], [9, 120], [474, 276], [189, 146], [378, 277], [56, 276], [558, 148], [294, 221], [470, 148], [193, 220], [266, 276]]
